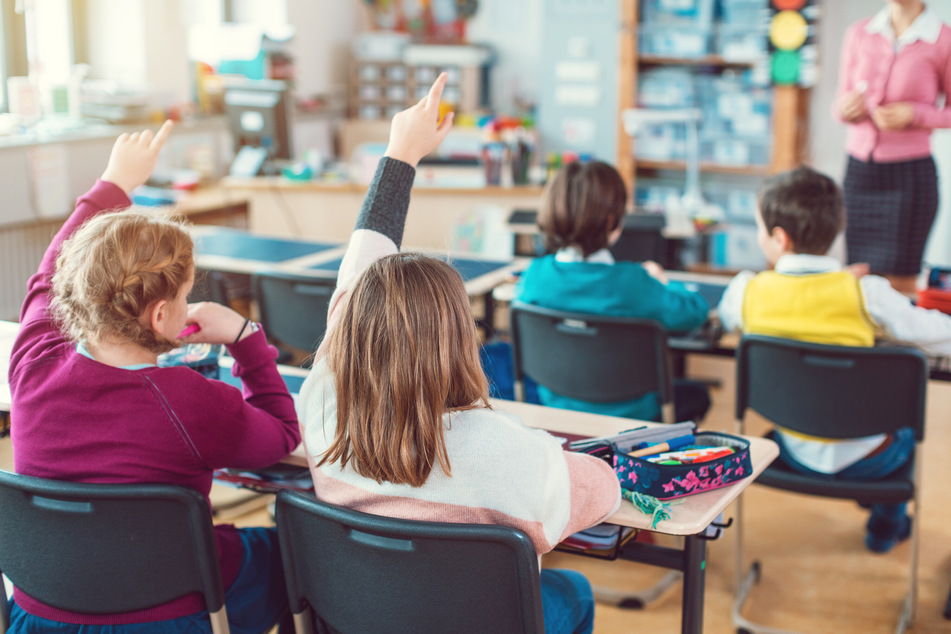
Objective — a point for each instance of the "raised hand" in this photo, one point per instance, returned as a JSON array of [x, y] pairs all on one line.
[[417, 131], [134, 156]]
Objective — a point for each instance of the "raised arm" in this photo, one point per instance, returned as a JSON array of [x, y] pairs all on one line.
[[414, 133], [132, 160]]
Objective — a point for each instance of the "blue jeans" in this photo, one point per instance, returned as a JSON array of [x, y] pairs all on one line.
[[255, 601], [881, 465], [567, 602]]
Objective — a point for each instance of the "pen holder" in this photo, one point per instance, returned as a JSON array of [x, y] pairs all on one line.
[[666, 482], [493, 158]]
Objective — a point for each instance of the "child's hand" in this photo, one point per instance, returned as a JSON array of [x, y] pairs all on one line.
[[655, 270], [134, 156], [217, 323], [859, 269], [417, 131]]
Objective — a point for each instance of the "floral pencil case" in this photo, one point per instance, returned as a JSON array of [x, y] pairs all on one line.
[[664, 477]]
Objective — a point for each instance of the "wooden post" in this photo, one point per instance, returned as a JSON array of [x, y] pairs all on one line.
[[790, 127], [627, 89]]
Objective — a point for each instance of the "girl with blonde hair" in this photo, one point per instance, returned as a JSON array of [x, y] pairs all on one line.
[[395, 412], [91, 405]]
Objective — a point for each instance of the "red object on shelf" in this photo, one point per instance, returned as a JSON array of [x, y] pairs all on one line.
[[935, 298]]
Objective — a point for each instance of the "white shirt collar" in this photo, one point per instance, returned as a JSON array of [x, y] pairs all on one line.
[[926, 27], [572, 254], [800, 263]]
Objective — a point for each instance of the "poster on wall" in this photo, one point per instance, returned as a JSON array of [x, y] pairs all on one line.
[[793, 52]]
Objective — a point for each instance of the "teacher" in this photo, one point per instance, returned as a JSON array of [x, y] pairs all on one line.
[[894, 67]]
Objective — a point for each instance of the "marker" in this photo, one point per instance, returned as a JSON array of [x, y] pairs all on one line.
[[189, 330], [673, 443], [712, 456]]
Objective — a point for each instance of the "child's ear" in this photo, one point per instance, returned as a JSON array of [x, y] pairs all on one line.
[[158, 316], [615, 234], [781, 239]]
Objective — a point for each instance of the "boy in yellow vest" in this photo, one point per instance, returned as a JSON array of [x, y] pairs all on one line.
[[810, 297]]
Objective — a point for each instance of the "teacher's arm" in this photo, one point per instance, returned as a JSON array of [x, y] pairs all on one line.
[[929, 115], [849, 104]]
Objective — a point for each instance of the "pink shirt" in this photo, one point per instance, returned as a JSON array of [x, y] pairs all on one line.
[[915, 68]]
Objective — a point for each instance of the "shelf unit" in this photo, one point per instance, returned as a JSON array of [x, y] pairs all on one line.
[[790, 109]]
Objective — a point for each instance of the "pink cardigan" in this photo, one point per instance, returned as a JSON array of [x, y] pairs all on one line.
[[918, 73]]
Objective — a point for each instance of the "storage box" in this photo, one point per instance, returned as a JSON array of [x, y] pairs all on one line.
[[674, 41]]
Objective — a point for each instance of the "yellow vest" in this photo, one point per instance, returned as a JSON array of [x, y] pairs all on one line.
[[818, 307]]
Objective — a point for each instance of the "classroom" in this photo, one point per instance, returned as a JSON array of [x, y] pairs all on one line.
[[693, 230]]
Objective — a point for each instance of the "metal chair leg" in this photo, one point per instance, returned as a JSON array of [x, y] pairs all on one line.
[[639, 598]]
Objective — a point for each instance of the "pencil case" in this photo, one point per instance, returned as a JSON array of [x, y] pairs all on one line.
[[666, 482]]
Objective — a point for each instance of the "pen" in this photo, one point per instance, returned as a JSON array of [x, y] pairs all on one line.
[[671, 443], [662, 447]]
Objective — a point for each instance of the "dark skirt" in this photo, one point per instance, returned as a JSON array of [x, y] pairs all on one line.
[[890, 208]]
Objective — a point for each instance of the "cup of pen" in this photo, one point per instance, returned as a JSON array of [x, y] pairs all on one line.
[[493, 158]]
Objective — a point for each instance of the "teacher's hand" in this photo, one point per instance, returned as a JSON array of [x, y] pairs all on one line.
[[852, 107], [893, 116]]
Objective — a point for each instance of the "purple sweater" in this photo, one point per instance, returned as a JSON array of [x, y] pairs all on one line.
[[79, 420]]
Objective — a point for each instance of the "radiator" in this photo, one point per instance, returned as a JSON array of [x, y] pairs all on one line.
[[21, 249]]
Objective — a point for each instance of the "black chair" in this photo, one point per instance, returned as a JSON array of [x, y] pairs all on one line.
[[834, 392], [108, 548], [365, 573], [293, 308], [591, 357], [210, 286], [642, 238]]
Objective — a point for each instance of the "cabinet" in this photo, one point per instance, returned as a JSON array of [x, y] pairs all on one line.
[[789, 114]]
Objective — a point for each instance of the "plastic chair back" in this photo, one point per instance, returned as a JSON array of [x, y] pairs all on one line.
[[590, 357], [831, 391], [293, 308], [367, 573], [108, 548]]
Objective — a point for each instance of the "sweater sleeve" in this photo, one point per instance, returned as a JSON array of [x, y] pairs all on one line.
[[594, 491], [930, 115], [847, 62], [378, 231], [251, 428], [38, 332], [680, 308]]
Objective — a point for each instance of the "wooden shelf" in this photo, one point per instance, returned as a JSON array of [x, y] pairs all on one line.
[[706, 60], [716, 168]]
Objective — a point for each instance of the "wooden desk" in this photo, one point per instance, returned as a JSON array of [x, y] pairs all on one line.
[[689, 517], [315, 209]]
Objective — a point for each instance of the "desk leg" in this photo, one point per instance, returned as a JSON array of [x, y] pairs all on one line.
[[695, 565], [488, 319]]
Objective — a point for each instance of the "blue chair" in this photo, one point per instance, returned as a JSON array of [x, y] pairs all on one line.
[[108, 548], [356, 572], [612, 359], [836, 392], [293, 308]]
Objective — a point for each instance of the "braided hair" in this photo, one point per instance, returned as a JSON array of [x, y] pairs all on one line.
[[112, 270]]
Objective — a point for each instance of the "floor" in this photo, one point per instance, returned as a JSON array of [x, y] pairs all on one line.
[[817, 575]]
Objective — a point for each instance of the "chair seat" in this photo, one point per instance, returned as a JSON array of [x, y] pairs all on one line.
[[898, 487]]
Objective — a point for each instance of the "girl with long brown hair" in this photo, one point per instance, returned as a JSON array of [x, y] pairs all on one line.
[[395, 412]]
